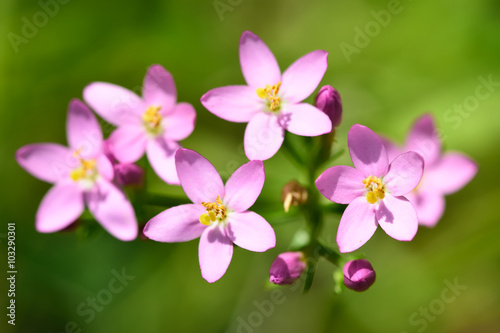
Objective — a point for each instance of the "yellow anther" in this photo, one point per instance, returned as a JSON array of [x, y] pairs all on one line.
[[205, 219], [86, 169], [271, 93], [152, 116], [215, 211], [376, 189], [261, 93]]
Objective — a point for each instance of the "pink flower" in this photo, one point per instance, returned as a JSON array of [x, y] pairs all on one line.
[[359, 274], [374, 190], [270, 102], [287, 267], [125, 173], [218, 214], [443, 173], [81, 175], [328, 100], [151, 124]]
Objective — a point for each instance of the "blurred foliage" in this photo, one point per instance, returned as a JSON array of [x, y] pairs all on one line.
[[427, 58]]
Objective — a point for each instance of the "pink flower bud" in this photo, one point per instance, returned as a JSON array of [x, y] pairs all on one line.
[[128, 174], [328, 100], [287, 267], [359, 274]]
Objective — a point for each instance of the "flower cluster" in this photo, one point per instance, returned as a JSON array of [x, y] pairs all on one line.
[[396, 188]]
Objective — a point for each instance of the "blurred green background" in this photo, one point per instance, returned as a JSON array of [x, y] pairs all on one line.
[[426, 57]]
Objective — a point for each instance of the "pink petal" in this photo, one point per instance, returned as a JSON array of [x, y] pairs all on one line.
[[244, 186], [258, 64], [198, 177], [303, 76], [450, 173], [357, 225], [159, 88], [392, 149], [304, 119], [367, 151], [61, 206], [424, 139], [115, 104], [179, 122], [128, 143], [112, 210], [250, 231], [263, 136], [429, 207], [341, 184], [83, 131], [177, 224], [215, 252], [105, 167], [161, 156], [397, 217], [404, 174], [49, 162], [233, 103]]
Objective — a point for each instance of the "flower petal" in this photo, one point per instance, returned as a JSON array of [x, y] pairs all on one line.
[[233, 103], [341, 184], [357, 225], [258, 64], [161, 156], [263, 137], [179, 122], [111, 208], [60, 207], [368, 154], [49, 162], [105, 167], [397, 217], [198, 177], [215, 252], [404, 174], [244, 186], [83, 131], [304, 119], [128, 143], [177, 224], [250, 231], [424, 139], [303, 76], [159, 88], [392, 149], [115, 104], [450, 173], [429, 206]]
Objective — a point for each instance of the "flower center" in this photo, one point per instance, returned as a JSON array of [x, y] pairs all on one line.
[[376, 189], [215, 211], [86, 171], [152, 120], [270, 93]]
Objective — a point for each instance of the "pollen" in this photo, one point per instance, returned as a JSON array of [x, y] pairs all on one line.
[[86, 169], [215, 212], [271, 94], [375, 189], [152, 117]]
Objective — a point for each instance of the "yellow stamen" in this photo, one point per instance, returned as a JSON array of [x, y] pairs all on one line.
[[215, 211], [271, 93], [376, 189], [87, 168], [152, 116]]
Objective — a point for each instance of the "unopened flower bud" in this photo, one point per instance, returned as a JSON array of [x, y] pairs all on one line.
[[328, 100], [287, 267], [359, 274], [128, 174], [293, 194]]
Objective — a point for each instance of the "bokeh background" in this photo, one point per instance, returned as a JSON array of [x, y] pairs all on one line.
[[428, 57]]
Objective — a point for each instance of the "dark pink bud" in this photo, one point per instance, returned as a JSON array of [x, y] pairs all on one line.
[[359, 274], [328, 100], [287, 267], [128, 174]]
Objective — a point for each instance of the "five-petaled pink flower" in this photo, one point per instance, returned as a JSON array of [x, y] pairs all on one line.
[[374, 190], [270, 102], [81, 175], [218, 214], [153, 123], [443, 173]]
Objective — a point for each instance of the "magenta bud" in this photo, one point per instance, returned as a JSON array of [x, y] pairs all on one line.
[[328, 100], [359, 274], [128, 174], [108, 151], [287, 267]]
